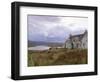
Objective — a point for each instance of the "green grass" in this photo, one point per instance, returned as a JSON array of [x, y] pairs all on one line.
[[59, 56]]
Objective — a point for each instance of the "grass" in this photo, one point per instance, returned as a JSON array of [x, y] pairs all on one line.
[[59, 56]]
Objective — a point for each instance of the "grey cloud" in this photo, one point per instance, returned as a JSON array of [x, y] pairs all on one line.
[[41, 18]]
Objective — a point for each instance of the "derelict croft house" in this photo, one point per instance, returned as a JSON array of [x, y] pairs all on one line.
[[77, 41]]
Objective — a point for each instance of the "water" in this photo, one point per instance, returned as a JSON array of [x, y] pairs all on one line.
[[41, 47]]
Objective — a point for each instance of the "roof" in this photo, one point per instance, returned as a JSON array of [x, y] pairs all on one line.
[[80, 36]]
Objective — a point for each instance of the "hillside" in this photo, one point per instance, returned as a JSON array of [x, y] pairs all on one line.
[[51, 44], [60, 56]]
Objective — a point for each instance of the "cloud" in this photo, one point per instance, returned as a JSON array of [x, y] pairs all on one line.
[[54, 28], [75, 23]]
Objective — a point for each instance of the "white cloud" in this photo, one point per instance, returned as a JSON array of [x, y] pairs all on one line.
[[74, 24]]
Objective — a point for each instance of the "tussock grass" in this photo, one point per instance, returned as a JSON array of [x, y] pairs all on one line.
[[59, 56]]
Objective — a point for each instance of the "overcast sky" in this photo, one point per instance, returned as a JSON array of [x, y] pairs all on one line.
[[55, 28]]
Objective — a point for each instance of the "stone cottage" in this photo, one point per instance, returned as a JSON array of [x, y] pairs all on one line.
[[77, 41]]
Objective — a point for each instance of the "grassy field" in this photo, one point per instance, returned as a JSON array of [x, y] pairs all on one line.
[[59, 56]]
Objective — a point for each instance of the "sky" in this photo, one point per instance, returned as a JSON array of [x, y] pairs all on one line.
[[55, 28]]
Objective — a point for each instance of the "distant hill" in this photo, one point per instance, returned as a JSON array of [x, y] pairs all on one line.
[[37, 43]]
